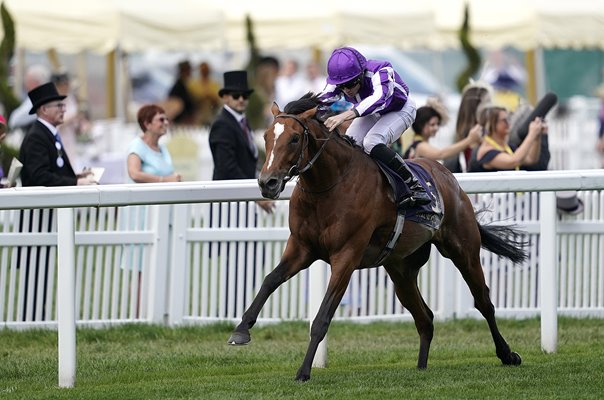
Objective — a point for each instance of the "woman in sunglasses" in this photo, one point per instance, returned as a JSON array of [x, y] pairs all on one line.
[[148, 160], [495, 154], [381, 112]]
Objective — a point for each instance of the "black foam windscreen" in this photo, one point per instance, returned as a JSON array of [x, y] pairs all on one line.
[[541, 109]]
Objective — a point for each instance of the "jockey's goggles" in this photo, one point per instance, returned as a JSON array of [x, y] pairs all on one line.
[[350, 84]]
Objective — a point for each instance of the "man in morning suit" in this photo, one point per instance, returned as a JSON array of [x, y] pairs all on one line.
[[233, 149], [235, 157], [45, 162]]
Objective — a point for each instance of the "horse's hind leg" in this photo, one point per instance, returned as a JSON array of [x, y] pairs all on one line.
[[405, 283], [294, 260], [466, 257]]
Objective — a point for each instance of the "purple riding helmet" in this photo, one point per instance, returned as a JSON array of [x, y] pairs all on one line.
[[344, 65]]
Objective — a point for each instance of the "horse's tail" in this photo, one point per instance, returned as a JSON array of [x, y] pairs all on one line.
[[504, 240]]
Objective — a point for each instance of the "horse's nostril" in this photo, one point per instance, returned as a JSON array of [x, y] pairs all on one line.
[[271, 183]]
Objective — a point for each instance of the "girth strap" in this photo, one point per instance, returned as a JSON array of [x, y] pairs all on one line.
[[394, 236]]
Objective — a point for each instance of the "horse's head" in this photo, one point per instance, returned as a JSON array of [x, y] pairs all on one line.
[[286, 141]]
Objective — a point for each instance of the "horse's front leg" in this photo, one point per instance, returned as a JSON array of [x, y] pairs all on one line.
[[295, 258], [335, 290]]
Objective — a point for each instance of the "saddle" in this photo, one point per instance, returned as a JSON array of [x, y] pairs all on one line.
[[430, 214]]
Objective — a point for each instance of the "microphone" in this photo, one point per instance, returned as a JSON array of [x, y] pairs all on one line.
[[541, 109]]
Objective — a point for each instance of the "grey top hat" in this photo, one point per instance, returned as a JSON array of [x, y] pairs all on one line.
[[235, 81], [43, 94], [568, 202]]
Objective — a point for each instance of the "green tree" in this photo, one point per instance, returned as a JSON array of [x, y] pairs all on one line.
[[7, 96], [469, 50], [7, 49]]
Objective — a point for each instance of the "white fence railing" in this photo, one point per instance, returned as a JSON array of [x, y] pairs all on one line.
[[189, 261], [202, 262]]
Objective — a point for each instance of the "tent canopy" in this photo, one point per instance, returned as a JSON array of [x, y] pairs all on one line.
[[327, 24], [71, 26], [523, 24], [101, 25]]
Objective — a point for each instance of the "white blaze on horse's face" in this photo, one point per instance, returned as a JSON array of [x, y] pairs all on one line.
[[277, 130]]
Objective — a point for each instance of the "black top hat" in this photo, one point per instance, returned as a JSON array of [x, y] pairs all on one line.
[[568, 202], [43, 94], [235, 81]]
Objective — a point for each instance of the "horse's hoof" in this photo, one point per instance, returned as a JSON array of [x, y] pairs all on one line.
[[239, 338], [302, 377], [513, 359]]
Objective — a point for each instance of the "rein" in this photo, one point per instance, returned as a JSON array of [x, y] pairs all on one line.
[[295, 169]]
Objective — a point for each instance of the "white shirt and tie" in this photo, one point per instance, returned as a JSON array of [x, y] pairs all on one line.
[[58, 143], [245, 127]]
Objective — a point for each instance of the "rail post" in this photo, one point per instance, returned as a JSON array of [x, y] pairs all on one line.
[[548, 271], [66, 297]]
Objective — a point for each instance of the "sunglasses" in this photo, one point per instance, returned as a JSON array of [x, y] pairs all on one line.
[[58, 105], [350, 84], [237, 95]]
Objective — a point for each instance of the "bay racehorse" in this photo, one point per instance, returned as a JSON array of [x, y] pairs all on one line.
[[342, 211]]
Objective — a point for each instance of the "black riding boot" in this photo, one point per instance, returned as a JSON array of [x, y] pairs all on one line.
[[416, 195]]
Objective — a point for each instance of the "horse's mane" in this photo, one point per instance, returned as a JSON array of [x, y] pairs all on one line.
[[311, 100], [304, 103]]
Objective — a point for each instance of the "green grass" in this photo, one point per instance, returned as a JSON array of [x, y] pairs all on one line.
[[372, 361]]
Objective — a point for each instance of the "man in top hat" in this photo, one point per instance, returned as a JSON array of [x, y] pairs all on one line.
[[235, 156], [231, 141], [45, 162]]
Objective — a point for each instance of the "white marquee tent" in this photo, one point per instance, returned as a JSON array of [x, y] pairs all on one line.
[[101, 25], [72, 26]]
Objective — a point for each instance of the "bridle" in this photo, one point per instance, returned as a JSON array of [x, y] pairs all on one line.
[[295, 169]]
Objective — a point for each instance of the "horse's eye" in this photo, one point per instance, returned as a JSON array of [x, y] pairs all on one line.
[[295, 139]]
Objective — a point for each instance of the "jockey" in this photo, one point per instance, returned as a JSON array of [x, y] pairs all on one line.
[[382, 111]]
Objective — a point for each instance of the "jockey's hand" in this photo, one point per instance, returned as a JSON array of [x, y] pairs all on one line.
[[334, 121]]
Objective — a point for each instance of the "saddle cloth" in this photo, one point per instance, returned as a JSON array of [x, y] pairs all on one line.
[[430, 214]]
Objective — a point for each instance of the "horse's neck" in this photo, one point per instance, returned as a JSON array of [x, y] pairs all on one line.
[[336, 160]]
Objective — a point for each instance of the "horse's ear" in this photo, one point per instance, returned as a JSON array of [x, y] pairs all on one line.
[[275, 109], [309, 113]]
